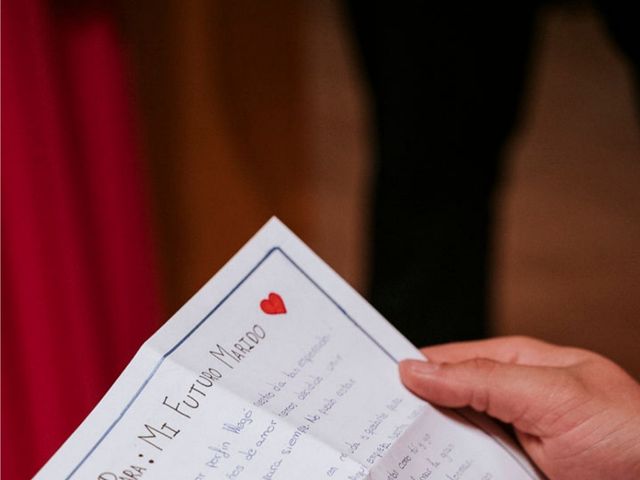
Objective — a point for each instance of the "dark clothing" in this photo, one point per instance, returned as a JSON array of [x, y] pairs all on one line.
[[446, 80]]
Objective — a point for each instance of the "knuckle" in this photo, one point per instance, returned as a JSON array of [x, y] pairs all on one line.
[[483, 366], [524, 341], [568, 385], [479, 400], [484, 370], [581, 354]]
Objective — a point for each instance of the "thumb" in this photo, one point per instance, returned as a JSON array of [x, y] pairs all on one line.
[[518, 394]]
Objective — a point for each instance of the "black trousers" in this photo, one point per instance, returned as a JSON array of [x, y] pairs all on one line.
[[446, 80]]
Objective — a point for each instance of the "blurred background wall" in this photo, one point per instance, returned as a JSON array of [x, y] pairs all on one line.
[[251, 109], [259, 108], [568, 266]]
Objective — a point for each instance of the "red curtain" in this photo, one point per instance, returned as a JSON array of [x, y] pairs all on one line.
[[79, 280]]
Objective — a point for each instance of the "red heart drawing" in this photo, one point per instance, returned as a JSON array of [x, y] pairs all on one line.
[[273, 305]]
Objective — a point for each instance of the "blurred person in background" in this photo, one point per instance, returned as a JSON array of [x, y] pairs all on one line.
[[447, 82]]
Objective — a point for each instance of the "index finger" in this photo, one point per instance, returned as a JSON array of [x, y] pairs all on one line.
[[517, 350]]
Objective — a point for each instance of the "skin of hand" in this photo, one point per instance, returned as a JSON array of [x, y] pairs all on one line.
[[576, 413]]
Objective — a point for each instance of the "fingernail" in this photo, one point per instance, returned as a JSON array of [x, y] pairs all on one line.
[[417, 367]]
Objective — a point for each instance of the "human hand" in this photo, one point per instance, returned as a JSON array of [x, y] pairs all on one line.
[[576, 413]]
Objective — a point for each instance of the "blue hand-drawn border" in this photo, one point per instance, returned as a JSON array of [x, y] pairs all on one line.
[[211, 312]]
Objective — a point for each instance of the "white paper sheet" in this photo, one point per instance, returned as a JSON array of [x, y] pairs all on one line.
[[277, 369]]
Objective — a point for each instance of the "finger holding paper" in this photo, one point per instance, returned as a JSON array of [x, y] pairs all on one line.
[[517, 349], [575, 413]]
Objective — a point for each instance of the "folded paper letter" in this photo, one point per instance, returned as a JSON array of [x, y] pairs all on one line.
[[277, 369]]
